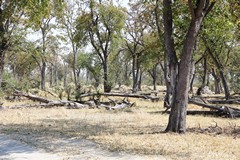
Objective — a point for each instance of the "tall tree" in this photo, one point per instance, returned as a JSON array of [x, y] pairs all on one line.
[[75, 34], [10, 14], [181, 70], [41, 16], [104, 24], [135, 29]]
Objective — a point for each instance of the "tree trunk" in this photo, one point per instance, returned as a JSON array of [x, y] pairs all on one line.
[[3, 48], [44, 65], [172, 71], [216, 82], [74, 65], [220, 68], [106, 84], [65, 75], [225, 85], [205, 71], [51, 76], [177, 118], [43, 75], [192, 76], [2, 63], [140, 81], [134, 73]]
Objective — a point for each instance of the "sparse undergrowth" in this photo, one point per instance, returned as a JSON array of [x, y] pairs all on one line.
[[138, 130]]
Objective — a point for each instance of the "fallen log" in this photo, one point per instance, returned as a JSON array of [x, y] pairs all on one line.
[[46, 103], [230, 101], [131, 95], [31, 97], [225, 110]]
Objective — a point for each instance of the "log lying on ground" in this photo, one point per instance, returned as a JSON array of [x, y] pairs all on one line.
[[230, 101], [46, 103], [225, 110], [152, 98], [31, 97]]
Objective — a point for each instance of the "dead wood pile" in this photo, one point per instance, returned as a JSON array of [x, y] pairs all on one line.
[[46, 103]]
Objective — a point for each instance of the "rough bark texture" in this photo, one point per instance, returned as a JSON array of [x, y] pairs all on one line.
[[172, 71], [177, 118]]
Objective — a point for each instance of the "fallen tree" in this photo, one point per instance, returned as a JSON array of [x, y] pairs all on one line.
[[46, 103], [152, 98], [230, 101], [223, 110]]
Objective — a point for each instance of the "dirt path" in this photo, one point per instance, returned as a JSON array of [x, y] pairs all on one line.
[[15, 150], [11, 149]]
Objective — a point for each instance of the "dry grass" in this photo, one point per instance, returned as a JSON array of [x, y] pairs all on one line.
[[138, 130]]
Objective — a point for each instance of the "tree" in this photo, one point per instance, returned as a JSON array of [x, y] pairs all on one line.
[[75, 33], [135, 29], [104, 24], [181, 70], [10, 14], [92, 64]]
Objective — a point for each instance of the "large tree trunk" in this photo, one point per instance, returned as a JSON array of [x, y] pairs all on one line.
[[177, 118], [172, 71]]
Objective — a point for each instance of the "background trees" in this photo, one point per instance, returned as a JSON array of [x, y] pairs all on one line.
[[104, 23]]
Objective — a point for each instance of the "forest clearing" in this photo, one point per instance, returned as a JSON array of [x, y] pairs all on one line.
[[138, 130], [107, 79]]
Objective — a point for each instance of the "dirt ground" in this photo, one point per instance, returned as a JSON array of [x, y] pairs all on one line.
[[11, 149], [133, 133]]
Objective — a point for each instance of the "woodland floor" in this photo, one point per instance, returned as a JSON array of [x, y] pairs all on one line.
[[132, 133]]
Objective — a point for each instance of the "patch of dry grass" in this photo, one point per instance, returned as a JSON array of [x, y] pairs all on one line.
[[136, 130]]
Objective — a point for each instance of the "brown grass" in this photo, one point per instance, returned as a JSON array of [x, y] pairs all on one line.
[[138, 130]]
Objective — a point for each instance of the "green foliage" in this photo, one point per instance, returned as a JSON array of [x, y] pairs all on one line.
[[9, 83]]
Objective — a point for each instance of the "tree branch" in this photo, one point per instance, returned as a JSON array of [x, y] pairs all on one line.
[[209, 8], [190, 4]]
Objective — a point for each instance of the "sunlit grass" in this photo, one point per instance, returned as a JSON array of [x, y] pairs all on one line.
[[137, 130]]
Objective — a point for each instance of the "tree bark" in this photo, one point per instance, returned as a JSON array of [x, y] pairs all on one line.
[[172, 71], [177, 118], [43, 75], [106, 84], [216, 82]]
